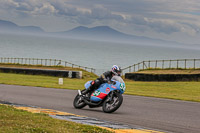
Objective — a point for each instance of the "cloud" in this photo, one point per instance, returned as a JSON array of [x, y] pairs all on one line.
[[160, 16], [85, 15], [45, 9], [62, 8], [167, 26], [100, 12]]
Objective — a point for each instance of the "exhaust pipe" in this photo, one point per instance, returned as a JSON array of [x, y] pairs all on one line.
[[92, 104]]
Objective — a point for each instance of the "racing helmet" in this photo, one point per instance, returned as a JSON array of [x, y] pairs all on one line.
[[116, 70]]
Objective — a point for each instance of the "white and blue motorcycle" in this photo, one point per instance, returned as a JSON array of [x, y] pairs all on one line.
[[108, 95]]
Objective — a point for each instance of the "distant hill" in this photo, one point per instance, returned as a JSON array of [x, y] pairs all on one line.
[[7, 25], [12, 27], [102, 33], [107, 33], [98, 31]]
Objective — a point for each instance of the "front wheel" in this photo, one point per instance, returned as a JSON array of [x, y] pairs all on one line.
[[111, 105], [78, 102]]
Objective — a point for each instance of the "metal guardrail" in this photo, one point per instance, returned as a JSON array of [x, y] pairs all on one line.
[[151, 64], [43, 62], [164, 64]]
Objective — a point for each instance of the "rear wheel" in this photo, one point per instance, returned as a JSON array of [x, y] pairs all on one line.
[[111, 105], [78, 102]]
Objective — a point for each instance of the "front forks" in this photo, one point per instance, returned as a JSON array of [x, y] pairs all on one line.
[[79, 92], [110, 97]]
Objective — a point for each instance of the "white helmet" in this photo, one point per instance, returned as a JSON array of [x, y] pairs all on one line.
[[116, 70]]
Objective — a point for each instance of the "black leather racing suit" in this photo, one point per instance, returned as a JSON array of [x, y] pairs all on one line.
[[105, 77]]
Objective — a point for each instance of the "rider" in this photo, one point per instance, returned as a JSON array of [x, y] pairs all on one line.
[[104, 78]]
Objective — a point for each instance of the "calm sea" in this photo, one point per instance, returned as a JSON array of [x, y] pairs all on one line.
[[96, 54]]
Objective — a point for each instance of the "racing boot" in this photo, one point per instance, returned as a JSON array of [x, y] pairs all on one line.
[[91, 88], [86, 94]]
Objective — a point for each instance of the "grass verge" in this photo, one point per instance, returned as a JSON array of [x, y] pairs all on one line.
[[14, 120], [169, 71], [188, 91]]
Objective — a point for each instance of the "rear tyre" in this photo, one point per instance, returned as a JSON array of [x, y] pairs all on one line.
[[78, 102], [112, 105]]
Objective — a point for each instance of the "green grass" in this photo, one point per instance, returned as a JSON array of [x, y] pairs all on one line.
[[173, 68], [170, 71], [189, 91], [17, 121], [41, 81]]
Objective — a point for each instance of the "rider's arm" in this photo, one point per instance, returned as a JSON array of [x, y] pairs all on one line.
[[105, 77]]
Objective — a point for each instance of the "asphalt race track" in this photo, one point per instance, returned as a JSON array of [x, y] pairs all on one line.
[[155, 113]]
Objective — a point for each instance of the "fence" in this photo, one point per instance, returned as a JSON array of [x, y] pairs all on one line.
[[151, 64], [43, 62], [164, 64]]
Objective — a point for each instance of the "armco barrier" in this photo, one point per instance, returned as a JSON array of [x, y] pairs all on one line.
[[164, 64], [162, 77], [57, 73]]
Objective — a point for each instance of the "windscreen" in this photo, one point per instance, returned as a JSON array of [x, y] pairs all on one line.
[[118, 78]]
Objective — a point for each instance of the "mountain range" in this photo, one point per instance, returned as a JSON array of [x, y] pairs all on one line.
[[12, 27], [102, 33], [106, 33]]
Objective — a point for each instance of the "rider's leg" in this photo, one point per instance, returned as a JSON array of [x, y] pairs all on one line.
[[94, 85]]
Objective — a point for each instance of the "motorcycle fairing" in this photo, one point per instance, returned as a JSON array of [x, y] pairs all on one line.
[[103, 90]]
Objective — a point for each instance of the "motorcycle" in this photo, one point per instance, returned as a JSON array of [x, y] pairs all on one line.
[[108, 95]]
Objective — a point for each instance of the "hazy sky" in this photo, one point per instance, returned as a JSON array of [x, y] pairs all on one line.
[[177, 20]]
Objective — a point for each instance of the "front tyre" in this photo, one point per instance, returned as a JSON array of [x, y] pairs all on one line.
[[111, 105], [78, 102]]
